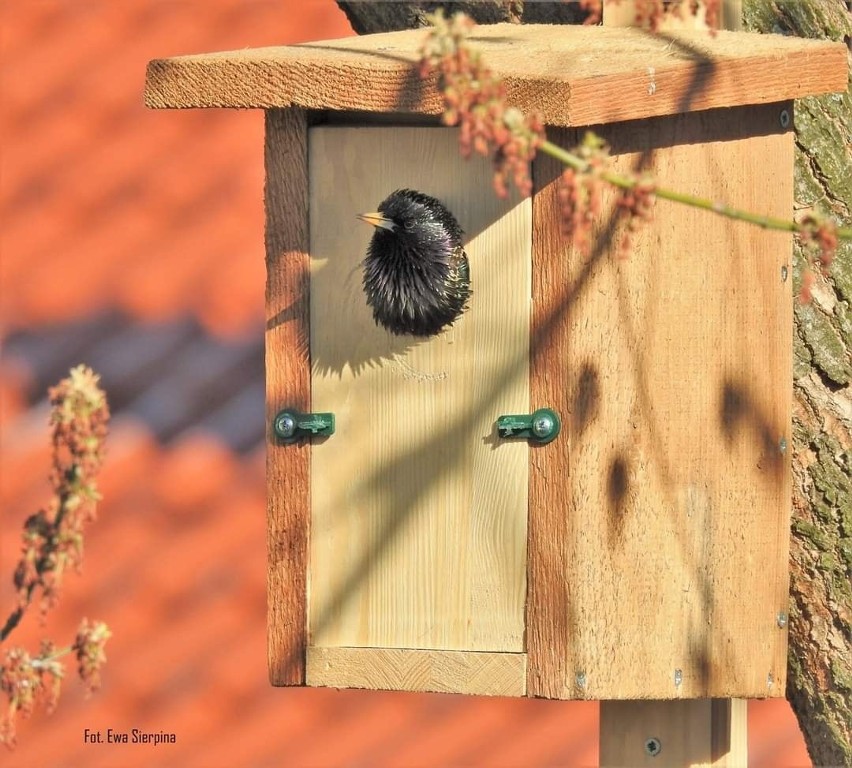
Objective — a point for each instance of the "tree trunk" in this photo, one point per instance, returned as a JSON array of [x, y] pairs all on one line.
[[367, 18], [819, 683], [820, 658]]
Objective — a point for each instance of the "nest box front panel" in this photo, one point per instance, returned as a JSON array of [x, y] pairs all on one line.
[[418, 529]]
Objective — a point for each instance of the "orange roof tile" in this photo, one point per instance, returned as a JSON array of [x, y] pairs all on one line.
[[132, 240]]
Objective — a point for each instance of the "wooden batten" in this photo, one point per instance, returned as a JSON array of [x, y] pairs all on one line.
[[571, 75], [288, 382], [548, 630], [405, 669]]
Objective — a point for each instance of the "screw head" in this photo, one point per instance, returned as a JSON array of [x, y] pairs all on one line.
[[678, 677], [285, 425], [784, 118], [782, 445], [784, 273], [581, 679], [653, 747], [543, 426], [781, 620]]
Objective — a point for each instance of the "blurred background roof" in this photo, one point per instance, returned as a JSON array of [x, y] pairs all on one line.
[[132, 240]]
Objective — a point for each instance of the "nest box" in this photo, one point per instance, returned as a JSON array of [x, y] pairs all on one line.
[[418, 542]]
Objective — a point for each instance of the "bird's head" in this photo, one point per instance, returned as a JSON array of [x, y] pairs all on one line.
[[415, 222]]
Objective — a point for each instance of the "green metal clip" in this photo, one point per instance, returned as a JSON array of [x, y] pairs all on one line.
[[289, 426], [542, 426]]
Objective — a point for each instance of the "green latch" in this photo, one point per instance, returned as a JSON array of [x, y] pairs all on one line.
[[289, 426], [541, 426]]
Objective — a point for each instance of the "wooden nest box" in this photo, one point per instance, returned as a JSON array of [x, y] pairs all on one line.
[[642, 553]]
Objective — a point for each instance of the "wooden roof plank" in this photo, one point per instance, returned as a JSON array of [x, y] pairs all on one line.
[[573, 75]]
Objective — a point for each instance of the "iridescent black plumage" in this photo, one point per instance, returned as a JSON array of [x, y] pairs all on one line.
[[416, 273]]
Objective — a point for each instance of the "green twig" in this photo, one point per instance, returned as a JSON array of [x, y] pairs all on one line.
[[625, 182], [44, 661]]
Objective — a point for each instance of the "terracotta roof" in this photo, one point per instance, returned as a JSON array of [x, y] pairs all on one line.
[[132, 240]]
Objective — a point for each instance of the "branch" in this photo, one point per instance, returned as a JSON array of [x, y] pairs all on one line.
[[53, 543], [475, 100], [628, 183]]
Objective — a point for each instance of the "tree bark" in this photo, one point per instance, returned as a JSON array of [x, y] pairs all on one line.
[[368, 17], [819, 683]]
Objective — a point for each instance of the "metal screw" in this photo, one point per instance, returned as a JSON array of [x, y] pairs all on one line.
[[543, 426], [781, 620], [770, 680], [782, 445], [653, 747], [581, 679], [784, 118], [678, 677], [784, 273], [285, 426]]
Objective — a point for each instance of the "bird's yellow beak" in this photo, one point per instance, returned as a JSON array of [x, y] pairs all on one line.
[[377, 220]]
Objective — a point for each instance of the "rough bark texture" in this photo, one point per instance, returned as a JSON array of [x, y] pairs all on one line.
[[369, 17], [819, 683], [820, 658]]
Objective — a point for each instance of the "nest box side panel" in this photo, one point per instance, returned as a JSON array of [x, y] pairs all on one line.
[[287, 386], [418, 532], [659, 528]]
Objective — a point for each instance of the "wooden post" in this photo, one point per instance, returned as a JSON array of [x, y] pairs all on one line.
[[696, 732], [624, 15], [732, 14]]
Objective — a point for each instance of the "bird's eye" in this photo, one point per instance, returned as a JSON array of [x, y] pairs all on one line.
[[409, 225]]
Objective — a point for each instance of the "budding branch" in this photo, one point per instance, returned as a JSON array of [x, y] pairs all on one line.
[[475, 100]]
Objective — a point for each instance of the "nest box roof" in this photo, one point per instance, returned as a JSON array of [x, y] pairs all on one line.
[[573, 75]]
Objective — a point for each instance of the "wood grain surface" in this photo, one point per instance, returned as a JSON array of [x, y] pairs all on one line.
[[418, 512], [624, 15], [394, 669], [702, 733], [573, 75], [659, 526], [287, 386]]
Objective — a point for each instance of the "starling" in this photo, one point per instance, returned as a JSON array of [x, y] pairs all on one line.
[[416, 274]]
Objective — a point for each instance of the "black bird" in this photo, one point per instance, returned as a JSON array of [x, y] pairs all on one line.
[[416, 273]]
